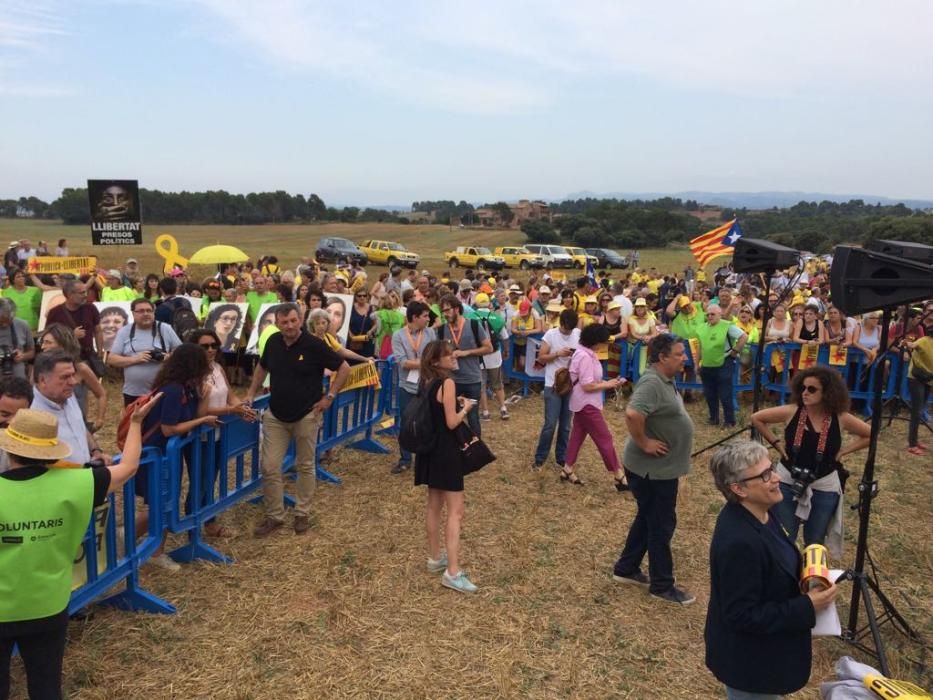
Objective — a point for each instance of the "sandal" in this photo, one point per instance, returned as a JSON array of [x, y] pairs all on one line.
[[571, 477], [622, 485], [917, 450]]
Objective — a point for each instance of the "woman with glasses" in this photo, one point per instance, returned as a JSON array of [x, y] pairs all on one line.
[[758, 623], [811, 449], [363, 324], [225, 320]]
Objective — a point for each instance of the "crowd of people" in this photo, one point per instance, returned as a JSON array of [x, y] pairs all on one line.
[[452, 338]]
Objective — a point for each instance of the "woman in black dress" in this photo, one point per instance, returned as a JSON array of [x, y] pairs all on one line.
[[440, 470]]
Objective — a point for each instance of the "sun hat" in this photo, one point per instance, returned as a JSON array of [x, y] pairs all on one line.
[[466, 285], [544, 289], [33, 434], [591, 300], [640, 301], [613, 305], [554, 307], [482, 299], [515, 289]]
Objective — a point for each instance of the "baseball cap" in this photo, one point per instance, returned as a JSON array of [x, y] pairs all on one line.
[[482, 299], [132, 261], [683, 301], [515, 289], [466, 285], [524, 307], [114, 273], [544, 289]]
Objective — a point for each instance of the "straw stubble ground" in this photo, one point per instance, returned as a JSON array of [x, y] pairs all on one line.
[[349, 610]]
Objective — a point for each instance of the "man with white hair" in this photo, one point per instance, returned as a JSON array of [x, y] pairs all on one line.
[[721, 343]]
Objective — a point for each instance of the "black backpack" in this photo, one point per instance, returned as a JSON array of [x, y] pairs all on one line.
[[493, 337], [417, 433], [184, 320]]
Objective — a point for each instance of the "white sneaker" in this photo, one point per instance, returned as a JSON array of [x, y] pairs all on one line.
[[460, 582], [164, 561], [437, 565]]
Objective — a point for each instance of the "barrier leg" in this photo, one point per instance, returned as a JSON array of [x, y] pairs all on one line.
[[324, 475], [136, 599], [197, 549]]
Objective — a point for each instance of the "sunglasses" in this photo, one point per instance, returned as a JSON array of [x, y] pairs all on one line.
[[811, 389], [765, 476], [210, 346]]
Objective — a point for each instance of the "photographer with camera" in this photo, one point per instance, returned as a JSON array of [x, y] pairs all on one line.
[[811, 474], [140, 348], [16, 345]]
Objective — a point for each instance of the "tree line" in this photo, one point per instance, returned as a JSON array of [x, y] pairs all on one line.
[[587, 222], [812, 226]]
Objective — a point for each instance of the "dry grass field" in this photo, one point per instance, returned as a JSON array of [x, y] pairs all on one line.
[[291, 242], [349, 611]]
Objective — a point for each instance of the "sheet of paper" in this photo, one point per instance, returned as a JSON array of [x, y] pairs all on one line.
[[827, 619], [413, 375]]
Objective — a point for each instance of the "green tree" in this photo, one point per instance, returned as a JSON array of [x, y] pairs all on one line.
[[540, 232], [504, 212]]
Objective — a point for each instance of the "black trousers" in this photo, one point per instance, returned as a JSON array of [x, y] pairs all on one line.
[[651, 531], [41, 645], [919, 393]]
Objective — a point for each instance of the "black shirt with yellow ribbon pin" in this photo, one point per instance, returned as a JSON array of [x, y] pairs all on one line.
[[297, 374]]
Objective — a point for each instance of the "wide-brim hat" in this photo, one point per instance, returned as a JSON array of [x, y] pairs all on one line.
[[33, 434], [640, 301]]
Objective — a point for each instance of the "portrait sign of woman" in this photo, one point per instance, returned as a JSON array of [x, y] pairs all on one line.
[[266, 318], [113, 316], [226, 320], [337, 305]]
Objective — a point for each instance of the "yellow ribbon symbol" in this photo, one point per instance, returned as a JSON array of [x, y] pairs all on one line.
[[167, 247]]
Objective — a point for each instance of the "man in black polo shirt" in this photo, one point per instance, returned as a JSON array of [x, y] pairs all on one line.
[[296, 361]]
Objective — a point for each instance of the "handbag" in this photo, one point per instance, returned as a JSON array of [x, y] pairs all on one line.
[[474, 453], [97, 365]]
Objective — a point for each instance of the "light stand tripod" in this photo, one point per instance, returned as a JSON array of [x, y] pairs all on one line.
[[863, 584]]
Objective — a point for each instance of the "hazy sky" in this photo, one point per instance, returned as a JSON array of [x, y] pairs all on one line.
[[387, 102]]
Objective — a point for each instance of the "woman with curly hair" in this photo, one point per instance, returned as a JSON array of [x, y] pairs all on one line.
[[180, 380], [811, 450]]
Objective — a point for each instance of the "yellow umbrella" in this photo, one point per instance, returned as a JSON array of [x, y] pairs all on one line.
[[217, 254]]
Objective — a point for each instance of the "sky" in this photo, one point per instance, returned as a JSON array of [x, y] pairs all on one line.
[[373, 103]]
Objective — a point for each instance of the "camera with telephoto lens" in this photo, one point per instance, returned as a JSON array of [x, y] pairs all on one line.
[[156, 355], [7, 360]]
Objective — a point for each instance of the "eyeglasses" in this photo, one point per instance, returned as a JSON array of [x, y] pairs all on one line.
[[811, 389], [765, 476], [210, 346], [362, 296]]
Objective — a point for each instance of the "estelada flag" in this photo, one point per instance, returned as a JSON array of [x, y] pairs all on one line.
[[713, 244], [808, 356]]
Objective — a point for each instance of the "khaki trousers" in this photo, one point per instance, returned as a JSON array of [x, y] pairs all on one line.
[[276, 436]]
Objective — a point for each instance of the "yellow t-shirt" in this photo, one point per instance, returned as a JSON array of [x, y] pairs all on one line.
[[653, 285], [701, 276]]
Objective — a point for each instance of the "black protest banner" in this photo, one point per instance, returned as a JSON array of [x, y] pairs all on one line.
[[115, 212]]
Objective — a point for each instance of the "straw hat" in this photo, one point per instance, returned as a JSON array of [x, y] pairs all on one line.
[[640, 301], [33, 434], [554, 307]]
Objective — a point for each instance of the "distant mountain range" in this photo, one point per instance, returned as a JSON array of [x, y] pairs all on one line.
[[757, 200]]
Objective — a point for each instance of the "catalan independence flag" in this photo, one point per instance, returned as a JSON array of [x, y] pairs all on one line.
[[716, 243]]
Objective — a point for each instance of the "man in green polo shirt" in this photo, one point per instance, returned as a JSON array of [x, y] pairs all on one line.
[[721, 342], [656, 455], [27, 299]]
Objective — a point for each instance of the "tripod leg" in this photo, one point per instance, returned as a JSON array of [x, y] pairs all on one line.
[[875, 632], [899, 622]]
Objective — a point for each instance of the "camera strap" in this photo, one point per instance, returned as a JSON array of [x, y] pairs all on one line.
[[824, 435]]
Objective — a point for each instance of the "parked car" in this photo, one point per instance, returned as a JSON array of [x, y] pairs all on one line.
[[390, 253], [339, 250], [580, 257], [474, 256], [608, 259], [519, 256], [554, 256]]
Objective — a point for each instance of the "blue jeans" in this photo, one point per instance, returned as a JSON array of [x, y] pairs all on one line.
[[822, 508], [733, 694], [556, 415], [651, 531], [403, 399], [472, 391], [718, 388]]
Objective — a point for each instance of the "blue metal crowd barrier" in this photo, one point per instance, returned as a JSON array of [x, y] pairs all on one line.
[[519, 375], [389, 396], [352, 417], [123, 568]]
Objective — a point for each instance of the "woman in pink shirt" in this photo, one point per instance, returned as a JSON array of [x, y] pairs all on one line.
[[586, 404]]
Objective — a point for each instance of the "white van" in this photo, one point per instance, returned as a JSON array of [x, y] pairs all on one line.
[[554, 256]]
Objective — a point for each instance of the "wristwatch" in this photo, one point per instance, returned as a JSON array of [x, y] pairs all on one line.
[[331, 396]]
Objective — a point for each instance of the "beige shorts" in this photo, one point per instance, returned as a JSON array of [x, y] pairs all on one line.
[[493, 378]]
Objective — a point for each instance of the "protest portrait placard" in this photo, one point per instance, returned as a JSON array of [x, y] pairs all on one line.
[[227, 321], [113, 316], [52, 265], [115, 212]]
